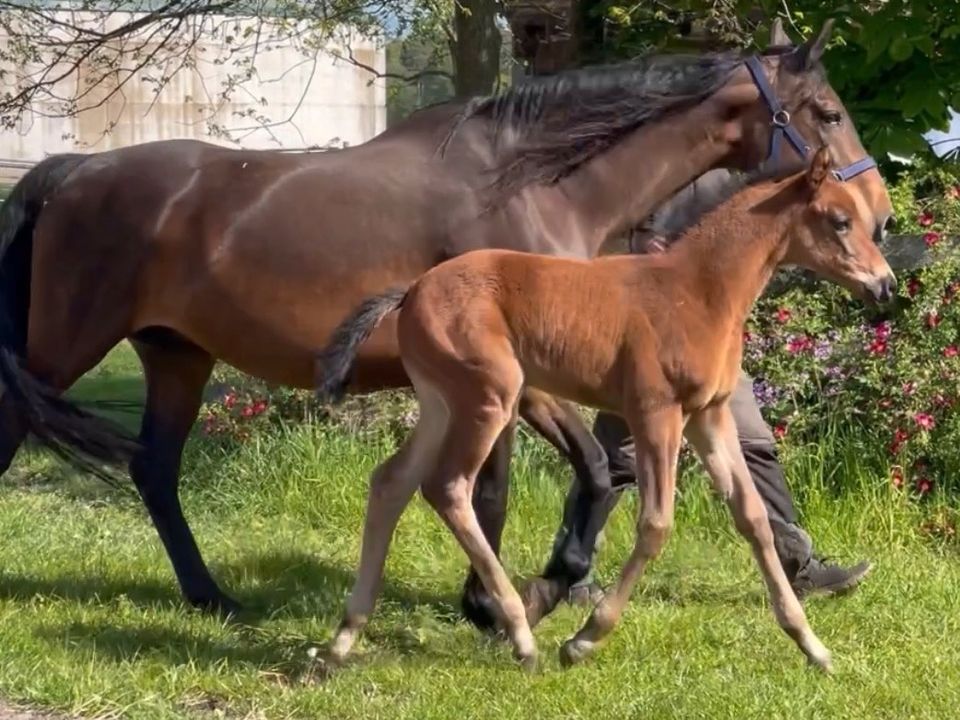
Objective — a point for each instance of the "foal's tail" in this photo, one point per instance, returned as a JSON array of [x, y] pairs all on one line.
[[336, 360], [76, 435]]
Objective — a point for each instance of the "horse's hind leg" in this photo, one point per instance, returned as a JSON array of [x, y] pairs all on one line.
[[391, 487], [560, 424], [713, 435], [176, 372], [657, 438], [482, 405]]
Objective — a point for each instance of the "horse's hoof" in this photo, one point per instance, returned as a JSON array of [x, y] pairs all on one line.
[[220, 604], [572, 653], [477, 608], [540, 597]]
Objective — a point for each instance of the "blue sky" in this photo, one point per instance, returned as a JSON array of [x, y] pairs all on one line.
[[953, 134]]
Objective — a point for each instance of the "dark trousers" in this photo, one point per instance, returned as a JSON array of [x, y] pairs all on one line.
[[794, 546]]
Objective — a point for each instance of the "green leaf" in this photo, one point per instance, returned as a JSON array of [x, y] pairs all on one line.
[[900, 49]]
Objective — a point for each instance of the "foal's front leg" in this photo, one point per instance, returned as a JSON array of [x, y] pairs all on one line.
[[657, 437], [713, 434]]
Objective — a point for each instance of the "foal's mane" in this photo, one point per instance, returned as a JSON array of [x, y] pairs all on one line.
[[545, 128], [697, 205]]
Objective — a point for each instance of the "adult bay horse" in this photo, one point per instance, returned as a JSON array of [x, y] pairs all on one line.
[[655, 339], [198, 253]]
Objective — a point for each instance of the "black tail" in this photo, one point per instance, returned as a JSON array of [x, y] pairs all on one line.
[[336, 359], [82, 438]]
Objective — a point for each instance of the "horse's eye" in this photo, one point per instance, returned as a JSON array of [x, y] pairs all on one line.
[[832, 118], [840, 222]]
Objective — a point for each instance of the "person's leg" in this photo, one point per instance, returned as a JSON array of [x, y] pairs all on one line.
[[807, 573]]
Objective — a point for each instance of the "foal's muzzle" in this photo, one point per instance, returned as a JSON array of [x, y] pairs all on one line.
[[883, 289]]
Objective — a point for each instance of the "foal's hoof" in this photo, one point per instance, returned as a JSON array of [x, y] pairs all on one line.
[[540, 597], [823, 662], [573, 652], [528, 662], [220, 604]]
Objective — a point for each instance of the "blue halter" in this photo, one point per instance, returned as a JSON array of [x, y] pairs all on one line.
[[780, 122]]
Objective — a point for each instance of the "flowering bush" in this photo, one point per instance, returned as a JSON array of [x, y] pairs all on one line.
[[242, 406], [819, 357]]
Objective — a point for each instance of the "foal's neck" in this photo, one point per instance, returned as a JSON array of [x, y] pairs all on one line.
[[731, 253]]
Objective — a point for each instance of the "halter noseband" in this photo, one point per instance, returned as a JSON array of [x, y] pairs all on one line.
[[782, 127]]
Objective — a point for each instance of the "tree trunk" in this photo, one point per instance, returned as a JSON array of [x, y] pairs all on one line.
[[476, 52]]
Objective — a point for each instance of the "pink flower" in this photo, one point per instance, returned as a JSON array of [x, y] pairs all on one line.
[[925, 219], [896, 477], [899, 438], [951, 351], [932, 319], [924, 420], [783, 315], [247, 411], [931, 238], [797, 345], [229, 400], [780, 431], [882, 330], [259, 406], [924, 485], [909, 387], [877, 347], [942, 401], [913, 286]]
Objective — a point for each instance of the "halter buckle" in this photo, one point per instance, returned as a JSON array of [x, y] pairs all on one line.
[[780, 119]]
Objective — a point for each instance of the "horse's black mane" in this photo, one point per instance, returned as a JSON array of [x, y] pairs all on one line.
[[546, 127]]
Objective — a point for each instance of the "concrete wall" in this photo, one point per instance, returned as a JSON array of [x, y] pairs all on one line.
[[326, 100]]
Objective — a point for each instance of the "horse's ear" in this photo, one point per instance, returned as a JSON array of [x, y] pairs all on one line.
[[819, 168], [778, 36], [812, 50]]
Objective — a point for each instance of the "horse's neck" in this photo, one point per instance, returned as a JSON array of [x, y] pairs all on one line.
[[621, 187], [732, 253]]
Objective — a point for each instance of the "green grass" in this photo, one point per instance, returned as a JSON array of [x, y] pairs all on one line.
[[91, 623]]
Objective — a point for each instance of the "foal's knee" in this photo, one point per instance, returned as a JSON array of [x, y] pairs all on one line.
[[653, 529]]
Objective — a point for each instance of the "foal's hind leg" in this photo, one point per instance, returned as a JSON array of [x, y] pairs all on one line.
[[176, 373], [490, 495], [481, 405], [657, 438], [391, 487], [713, 435]]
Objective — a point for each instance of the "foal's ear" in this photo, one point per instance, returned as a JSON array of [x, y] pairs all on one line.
[[811, 51], [819, 168], [778, 38]]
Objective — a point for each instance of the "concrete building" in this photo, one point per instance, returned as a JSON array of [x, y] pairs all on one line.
[[292, 100]]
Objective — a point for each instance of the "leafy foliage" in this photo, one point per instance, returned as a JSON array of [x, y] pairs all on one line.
[[895, 63]]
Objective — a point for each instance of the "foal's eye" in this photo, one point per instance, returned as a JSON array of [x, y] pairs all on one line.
[[840, 222]]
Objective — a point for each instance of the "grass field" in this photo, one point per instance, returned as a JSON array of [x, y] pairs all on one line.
[[91, 623]]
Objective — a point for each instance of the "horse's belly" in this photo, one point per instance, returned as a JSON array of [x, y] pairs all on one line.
[[274, 329]]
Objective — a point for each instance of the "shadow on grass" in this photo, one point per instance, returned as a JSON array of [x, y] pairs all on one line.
[[274, 585]]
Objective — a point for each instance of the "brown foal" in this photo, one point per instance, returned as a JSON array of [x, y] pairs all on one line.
[[657, 339]]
